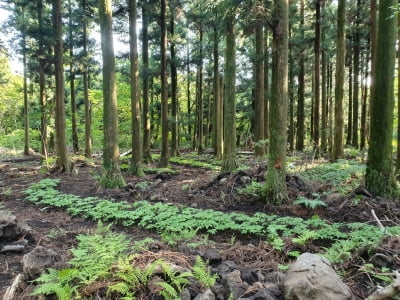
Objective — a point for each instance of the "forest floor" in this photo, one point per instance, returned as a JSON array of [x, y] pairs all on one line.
[[190, 186]]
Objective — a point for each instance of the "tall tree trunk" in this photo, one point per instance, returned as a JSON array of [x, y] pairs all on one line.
[[259, 149], [337, 150], [229, 156], [300, 104], [42, 91], [199, 93], [61, 144], [112, 176], [174, 88], [188, 94], [379, 175], [363, 128], [356, 89], [26, 99], [85, 79], [350, 108], [398, 102], [164, 159], [137, 150], [373, 35], [317, 53], [275, 185], [218, 105], [331, 105], [145, 83], [291, 131], [324, 100], [75, 141], [266, 87]]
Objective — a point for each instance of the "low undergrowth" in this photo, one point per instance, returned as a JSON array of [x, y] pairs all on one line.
[[286, 234], [343, 175], [103, 262]]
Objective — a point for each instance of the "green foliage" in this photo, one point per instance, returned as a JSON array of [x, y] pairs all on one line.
[[309, 203], [345, 175], [253, 189], [195, 162], [182, 223], [202, 274]]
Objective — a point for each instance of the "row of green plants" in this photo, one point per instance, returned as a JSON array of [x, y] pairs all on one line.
[[339, 239], [108, 261]]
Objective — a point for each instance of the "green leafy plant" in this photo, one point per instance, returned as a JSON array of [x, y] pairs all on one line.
[[202, 274], [309, 203], [176, 222]]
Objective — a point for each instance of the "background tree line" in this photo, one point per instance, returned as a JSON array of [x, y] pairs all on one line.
[[274, 76]]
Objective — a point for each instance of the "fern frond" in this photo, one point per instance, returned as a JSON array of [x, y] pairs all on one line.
[[168, 291], [201, 273]]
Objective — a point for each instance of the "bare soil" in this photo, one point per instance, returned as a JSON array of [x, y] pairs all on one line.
[[194, 187]]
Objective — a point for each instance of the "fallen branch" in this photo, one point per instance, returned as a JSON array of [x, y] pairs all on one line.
[[388, 292], [380, 225], [12, 289]]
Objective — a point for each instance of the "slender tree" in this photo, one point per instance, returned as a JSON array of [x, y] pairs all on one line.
[[275, 186], [111, 172], [164, 159], [379, 175], [229, 156], [62, 161], [75, 140], [174, 86], [145, 83], [136, 161], [317, 65], [356, 81], [337, 150], [259, 149], [218, 105], [85, 79], [300, 103]]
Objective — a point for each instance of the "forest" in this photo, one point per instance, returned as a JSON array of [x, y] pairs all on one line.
[[174, 149]]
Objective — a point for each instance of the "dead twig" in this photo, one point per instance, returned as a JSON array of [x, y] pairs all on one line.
[[380, 225], [388, 292]]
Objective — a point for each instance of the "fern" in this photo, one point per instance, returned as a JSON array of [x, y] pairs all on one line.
[[168, 291], [201, 273], [56, 282]]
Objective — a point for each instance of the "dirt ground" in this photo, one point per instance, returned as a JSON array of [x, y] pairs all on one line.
[[194, 187]]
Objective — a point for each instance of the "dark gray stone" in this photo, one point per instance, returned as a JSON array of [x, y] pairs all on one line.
[[213, 257], [38, 260]]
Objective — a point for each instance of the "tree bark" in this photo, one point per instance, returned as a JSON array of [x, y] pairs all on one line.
[[145, 83], [356, 88], [75, 140], [379, 175], [85, 78], [229, 156], [317, 54], [164, 159], [337, 150], [275, 186], [61, 144], [26, 99], [112, 176], [174, 90], [218, 105], [259, 149], [137, 150], [199, 95], [300, 104], [42, 91]]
